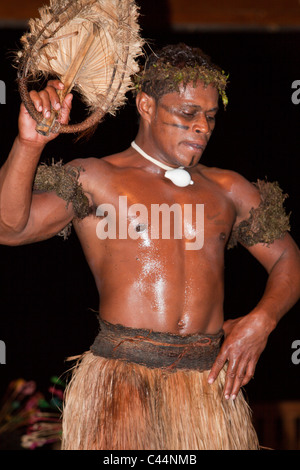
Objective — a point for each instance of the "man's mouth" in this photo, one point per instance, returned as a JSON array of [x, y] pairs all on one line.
[[194, 145]]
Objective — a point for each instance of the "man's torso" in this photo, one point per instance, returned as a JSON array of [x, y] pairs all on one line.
[[156, 250]]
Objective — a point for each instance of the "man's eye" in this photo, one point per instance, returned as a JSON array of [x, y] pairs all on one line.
[[186, 113], [211, 118]]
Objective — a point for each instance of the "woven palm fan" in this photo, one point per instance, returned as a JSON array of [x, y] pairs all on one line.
[[91, 46]]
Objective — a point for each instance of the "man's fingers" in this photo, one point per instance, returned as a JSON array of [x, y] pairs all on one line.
[[48, 98], [53, 97], [217, 367], [46, 103], [65, 109], [41, 101], [37, 100], [235, 377], [56, 84], [239, 372], [250, 372], [231, 375]]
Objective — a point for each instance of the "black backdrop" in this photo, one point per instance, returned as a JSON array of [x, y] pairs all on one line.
[[47, 294]]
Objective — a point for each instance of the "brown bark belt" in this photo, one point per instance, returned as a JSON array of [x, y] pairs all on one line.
[[156, 349]]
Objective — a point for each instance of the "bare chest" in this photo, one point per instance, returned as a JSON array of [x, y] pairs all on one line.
[[154, 209]]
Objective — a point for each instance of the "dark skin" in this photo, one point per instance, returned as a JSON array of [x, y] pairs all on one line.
[[156, 283]]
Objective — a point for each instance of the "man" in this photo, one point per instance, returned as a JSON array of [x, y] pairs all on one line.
[[156, 377]]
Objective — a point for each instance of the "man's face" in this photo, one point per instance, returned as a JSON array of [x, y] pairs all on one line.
[[182, 124]]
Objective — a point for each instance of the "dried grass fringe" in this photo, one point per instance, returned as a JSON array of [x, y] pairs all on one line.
[[114, 405]]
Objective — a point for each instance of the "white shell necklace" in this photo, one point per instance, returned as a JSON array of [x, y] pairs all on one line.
[[178, 176]]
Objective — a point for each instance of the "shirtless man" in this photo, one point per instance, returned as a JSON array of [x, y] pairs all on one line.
[[157, 284]]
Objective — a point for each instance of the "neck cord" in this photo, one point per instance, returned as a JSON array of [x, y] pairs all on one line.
[[178, 176]]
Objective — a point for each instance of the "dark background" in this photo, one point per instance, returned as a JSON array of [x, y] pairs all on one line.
[[47, 293]]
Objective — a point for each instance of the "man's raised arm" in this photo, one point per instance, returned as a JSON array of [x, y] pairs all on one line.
[[24, 218]]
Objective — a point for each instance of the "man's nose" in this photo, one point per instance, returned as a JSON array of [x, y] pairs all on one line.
[[201, 126]]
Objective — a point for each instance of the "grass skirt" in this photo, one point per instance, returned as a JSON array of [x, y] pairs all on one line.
[[111, 404]]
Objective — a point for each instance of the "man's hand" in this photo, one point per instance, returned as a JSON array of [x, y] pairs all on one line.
[[245, 339], [43, 101]]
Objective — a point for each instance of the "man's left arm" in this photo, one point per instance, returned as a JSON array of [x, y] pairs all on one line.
[[246, 337]]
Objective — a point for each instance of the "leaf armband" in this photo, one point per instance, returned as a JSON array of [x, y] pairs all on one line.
[[268, 222], [63, 180]]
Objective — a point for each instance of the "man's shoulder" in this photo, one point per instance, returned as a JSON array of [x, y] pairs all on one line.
[[91, 167], [239, 189], [224, 178], [96, 173], [90, 164]]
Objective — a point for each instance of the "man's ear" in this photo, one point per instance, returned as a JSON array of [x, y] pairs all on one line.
[[146, 106]]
